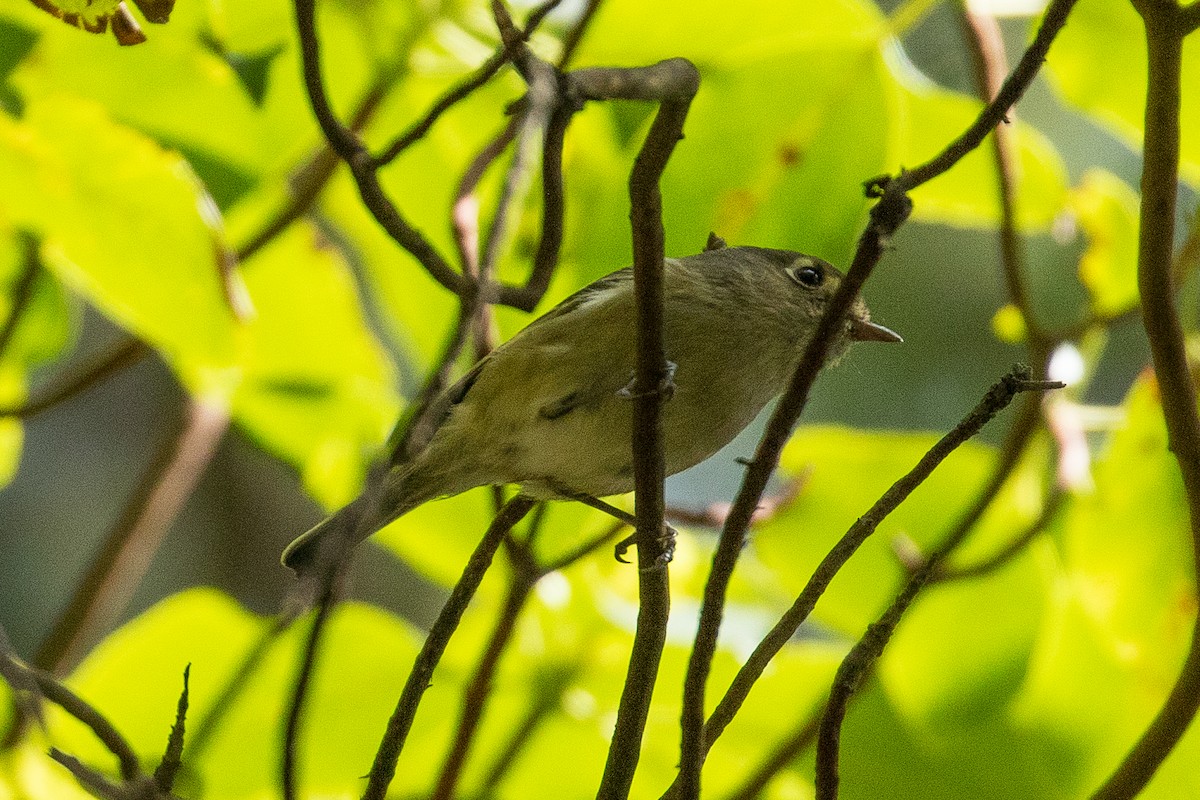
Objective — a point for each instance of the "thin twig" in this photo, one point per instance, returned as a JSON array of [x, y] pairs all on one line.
[[997, 398], [1009, 551], [863, 655], [22, 290], [784, 754], [105, 590], [289, 764], [543, 703], [986, 47], [886, 217], [80, 709], [673, 84], [1165, 28], [1010, 92], [123, 355], [91, 780], [26, 697], [202, 731], [384, 767], [479, 688], [362, 166], [172, 760], [575, 36], [463, 89]]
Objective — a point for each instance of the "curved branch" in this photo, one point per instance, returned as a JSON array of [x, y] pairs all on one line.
[[1160, 177], [386, 757], [863, 655]]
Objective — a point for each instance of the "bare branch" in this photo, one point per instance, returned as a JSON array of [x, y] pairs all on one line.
[[475, 696], [986, 46], [464, 88], [125, 556], [202, 731], [83, 711], [994, 113], [863, 655], [1008, 552], [22, 290], [886, 217], [402, 718], [673, 84], [1165, 29], [123, 355], [362, 166], [172, 760], [331, 578]]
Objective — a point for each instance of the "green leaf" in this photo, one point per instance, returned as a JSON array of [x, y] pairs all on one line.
[[124, 224], [42, 331], [1098, 64], [849, 471], [1107, 210], [316, 389], [968, 195]]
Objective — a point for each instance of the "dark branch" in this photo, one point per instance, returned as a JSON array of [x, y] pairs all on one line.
[[172, 761], [83, 711], [362, 166], [886, 217], [863, 655], [994, 113], [1165, 28], [402, 718], [122, 356], [673, 84], [125, 556], [22, 290], [463, 89]]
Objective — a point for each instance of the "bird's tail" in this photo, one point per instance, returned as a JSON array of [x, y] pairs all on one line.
[[301, 554], [401, 492]]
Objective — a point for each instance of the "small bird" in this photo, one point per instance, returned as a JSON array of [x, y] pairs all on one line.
[[549, 409]]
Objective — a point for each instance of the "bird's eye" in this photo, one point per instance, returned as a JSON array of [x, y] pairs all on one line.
[[808, 275]]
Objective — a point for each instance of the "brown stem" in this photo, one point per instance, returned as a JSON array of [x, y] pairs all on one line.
[[673, 84], [463, 89], [203, 730], [1010, 92], [986, 46], [886, 217], [1165, 29], [86, 713], [479, 689], [110, 582], [1008, 552], [362, 166], [289, 767], [22, 290], [784, 753], [402, 718], [122, 356], [866, 651]]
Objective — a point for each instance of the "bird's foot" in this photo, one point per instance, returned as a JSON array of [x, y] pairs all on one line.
[[665, 388], [666, 544]]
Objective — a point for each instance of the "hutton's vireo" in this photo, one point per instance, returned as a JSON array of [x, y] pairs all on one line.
[[547, 409]]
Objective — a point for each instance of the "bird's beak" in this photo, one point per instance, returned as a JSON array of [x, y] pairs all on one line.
[[863, 330]]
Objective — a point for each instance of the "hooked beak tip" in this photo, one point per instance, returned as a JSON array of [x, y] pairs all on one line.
[[863, 330]]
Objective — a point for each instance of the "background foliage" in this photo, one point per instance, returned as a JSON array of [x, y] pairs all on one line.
[[137, 171]]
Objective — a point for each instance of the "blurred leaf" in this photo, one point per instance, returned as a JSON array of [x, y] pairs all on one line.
[[1098, 64], [968, 195], [1107, 210], [42, 331], [317, 390], [1009, 324], [850, 470]]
